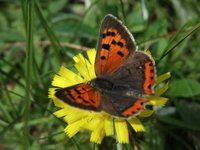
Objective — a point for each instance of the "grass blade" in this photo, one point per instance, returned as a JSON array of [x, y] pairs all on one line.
[[27, 9], [169, 49]]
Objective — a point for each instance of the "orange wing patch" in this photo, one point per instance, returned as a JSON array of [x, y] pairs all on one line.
[[81, 96], [135, 108], [149, 77], [113, 51]]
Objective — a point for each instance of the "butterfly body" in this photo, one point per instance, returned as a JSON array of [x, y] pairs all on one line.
[[124, 76]]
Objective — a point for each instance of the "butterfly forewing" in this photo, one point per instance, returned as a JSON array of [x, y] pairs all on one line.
[[114, 45]]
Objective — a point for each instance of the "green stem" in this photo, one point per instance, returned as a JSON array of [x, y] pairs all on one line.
[[27, 8]]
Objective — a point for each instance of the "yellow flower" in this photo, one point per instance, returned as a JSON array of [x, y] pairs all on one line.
[[99, 123]]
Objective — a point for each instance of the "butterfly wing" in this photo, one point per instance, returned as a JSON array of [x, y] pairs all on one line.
[[137, 74], [81, 96], [121, 106], [114, 45], [131, 82], [131, 72]]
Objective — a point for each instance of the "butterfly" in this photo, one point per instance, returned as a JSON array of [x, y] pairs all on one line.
[[124, 75]]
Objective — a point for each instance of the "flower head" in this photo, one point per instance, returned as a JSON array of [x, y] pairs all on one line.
[[99, 123]]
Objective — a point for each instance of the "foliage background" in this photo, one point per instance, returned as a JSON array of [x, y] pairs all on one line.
[[36, 37]]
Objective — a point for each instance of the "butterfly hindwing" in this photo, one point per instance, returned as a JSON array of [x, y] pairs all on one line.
[[120, 106], [114, 45], [137, 74], [82, 96]]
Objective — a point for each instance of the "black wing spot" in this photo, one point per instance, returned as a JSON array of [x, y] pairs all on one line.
[[152, 70], [70, 95], [138, 108], [151, 77], [103, 57], [85, 101], [113, 42], [77, 91], [133, 111], [103, 35], [151, 64], [106, 46], [149, 86], [120, 53], [110, 33], [92, 101], [120, 44]]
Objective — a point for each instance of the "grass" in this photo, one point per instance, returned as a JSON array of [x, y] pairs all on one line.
[[36, 37]]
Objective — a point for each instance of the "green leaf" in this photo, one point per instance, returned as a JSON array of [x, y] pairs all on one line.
[[189, 113], [184, 88]]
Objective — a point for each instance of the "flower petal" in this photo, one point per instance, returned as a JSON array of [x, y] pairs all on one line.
[[69, 75], [162, 90], [163, 77], [61, 113], [51, 93], [98, 134], [59, 103], [121, 131], [136, 124], [108, 125], [146, 113], [75, 127], [62, 82], [157, 101], [93, 121], [91, 55], [74, 115]]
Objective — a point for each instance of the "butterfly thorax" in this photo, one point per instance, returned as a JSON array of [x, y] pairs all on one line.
[[102, 84]]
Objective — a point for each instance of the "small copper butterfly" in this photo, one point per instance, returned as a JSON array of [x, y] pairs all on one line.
[[124, 76]]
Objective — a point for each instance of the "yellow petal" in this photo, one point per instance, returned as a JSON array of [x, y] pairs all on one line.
[[163, 77], [93, 122], [136, 124], [51, 93], [60, 113], [121, 131], [162, 90], [83, 70], [147, 51], [157, 101], [69, 75], [98, 134], [91, 55], [62, 82], [75, 127], [59, 103], [146, 113], [74, 115], [78, 58], [108, 125]]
